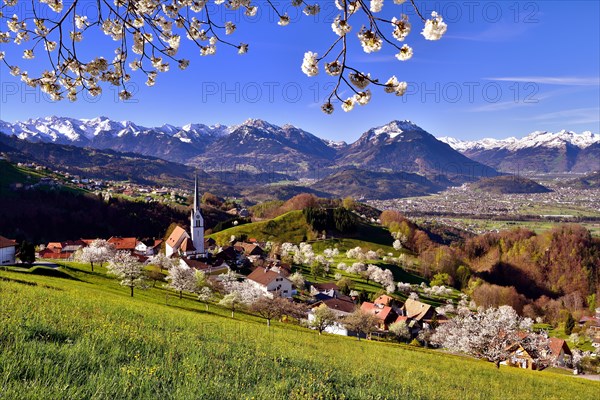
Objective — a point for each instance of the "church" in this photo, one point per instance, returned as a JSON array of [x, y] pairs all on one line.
[[182, 243]]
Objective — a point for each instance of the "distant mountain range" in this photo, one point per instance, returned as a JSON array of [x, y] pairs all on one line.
[[394, 160], [541, 152], [258, 146]]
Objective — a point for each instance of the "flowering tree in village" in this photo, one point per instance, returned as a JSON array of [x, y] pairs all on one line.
[[148, 35], [490, 334], [238, 294], [161, 261], [99, 251], [182, 279], [128, 269]]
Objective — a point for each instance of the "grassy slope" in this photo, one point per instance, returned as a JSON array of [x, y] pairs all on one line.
[[292, 227], [85, 338], [289, 227], [10, 173]]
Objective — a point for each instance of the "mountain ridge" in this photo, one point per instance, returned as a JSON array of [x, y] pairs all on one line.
[[259, 146], [540, 151]]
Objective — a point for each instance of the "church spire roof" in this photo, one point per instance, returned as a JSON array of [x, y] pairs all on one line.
[[196, 195]]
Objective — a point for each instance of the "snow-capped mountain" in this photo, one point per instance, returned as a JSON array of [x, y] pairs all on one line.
[[167, 141], [260, 145], [404, 146], [540, 151], [254, 140], [396, 146], [534, 139]]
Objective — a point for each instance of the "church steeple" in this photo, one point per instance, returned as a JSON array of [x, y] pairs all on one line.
[[197, 221], [196, 195]]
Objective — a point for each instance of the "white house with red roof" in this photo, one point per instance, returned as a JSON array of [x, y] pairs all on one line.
[[271, 282], [8, 249], [342, 306]]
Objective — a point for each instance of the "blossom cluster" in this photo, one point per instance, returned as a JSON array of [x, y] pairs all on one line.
[[371, 37], [148, 35]]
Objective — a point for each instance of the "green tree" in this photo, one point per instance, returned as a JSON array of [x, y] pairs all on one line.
[[26, 252], [348, 203], [463, 273], [569, 324], [345, 285], [361, 322], [317, 269], [440, 279], [322, 317]]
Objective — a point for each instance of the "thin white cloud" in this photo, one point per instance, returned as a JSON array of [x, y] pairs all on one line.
[[552, 80], [501, 105], [588, 115], [499, 32]]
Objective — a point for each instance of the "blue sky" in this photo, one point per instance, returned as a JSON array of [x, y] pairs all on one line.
[[504, 68]]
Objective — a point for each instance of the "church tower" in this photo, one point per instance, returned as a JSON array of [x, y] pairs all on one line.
[[197, 222]]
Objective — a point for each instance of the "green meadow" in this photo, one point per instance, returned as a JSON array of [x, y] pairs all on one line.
[[73, 334]]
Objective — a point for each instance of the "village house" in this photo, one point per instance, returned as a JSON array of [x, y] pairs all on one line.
[[228, 254], [593, 323], [521, 358], [148, 247], [324, 290], [271, 282], [123, 244], [341, 306], [560, 353], [249, 249], [7, 251], [207, 268], [62, 250], [557, 354], [384, 314], [416, 315]]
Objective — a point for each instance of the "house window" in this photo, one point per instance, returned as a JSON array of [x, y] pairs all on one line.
[[285, 291]]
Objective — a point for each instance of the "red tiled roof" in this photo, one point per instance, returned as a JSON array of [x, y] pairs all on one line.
[[196, 264], [175, 236], [121, 243], [48, 253], [556, 345], [384, 299], [380, 312], [338, 304], [5, 242], [54, 245], [264, 276], [187, 245]]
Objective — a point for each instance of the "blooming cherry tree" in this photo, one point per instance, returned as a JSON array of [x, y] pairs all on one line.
[[489, 334], [148, 35], [99, 251], [128, 269], [161, 261], [182, 279]]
